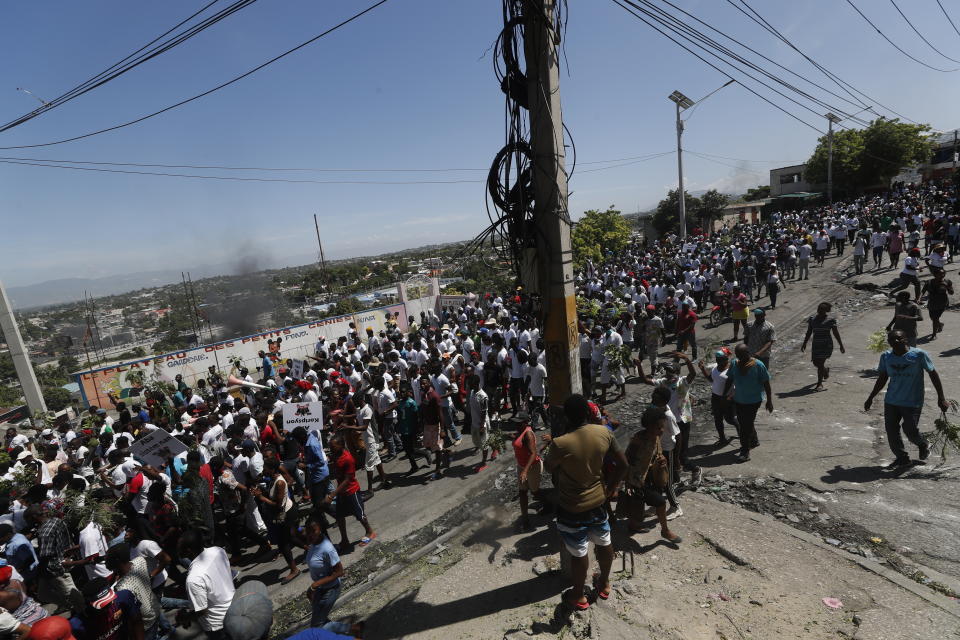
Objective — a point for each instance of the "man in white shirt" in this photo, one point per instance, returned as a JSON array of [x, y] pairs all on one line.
[[536, 377], [209, 583], [93, 548]]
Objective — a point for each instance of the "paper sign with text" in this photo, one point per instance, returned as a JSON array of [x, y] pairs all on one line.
[[308, 415], [150, 448]]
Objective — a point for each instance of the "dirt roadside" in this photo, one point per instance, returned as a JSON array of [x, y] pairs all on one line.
[[736, 575]]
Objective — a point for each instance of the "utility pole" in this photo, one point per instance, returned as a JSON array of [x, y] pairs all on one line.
[[831, 119], [554, 253], [955, 154], [18, 352], [682, 102], [323, 259]]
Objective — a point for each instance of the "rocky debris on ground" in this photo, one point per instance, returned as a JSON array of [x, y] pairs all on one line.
[[805, 509]]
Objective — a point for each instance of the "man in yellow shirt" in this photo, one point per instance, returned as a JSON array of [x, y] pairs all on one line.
[[577, 460]]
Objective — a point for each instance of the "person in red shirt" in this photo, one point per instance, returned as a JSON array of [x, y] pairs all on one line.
[[687, 329], [347, 494]]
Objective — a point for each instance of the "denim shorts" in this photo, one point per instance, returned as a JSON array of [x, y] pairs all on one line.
[[578, 530]]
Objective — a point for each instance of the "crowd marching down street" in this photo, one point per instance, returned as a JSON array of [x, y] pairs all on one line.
[[120, 548]]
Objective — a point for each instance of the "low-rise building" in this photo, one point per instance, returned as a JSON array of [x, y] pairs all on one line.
[[786, 180]]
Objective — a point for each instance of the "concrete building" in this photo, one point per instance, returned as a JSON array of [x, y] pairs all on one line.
[[738, 212], [788, 180]]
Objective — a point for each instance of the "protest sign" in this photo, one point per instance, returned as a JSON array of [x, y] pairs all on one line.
[[308, 415], [150, 448], [296, 369]]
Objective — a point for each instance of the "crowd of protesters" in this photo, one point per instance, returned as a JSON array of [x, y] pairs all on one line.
[[123, 547]]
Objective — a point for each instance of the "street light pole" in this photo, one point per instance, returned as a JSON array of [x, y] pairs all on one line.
[[682, 102], [831, 119], [681, 194]]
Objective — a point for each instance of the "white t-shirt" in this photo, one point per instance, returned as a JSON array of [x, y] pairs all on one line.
[[150, 550], [910, 265], [92, 541], [537, 375], [387, 398], [210, 587], [669, 438], [718, 379]]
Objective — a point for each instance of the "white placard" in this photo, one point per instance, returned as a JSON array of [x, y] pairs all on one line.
[[308, 415], [149, 447], [296, 369]]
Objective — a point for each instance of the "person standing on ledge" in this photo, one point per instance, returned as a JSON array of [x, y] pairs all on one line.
[[577, 458], [903, 366]]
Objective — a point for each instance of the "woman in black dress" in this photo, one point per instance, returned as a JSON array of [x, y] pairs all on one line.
[[823, 328]]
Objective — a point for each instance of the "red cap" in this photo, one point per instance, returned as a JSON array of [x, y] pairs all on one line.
[[52, 628]]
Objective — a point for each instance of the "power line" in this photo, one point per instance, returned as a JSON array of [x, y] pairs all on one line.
[[732, 166], [625, 164], [949, 19], [33, 162], [693, 35], [714, 155], [713, 66], [209, 91], [894, 44], [840, 82], [916, 31], [757, 53], [236, 178], [136, 58], [152, 165]]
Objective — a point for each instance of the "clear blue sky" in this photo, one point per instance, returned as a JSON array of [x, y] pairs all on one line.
[[407, 86]]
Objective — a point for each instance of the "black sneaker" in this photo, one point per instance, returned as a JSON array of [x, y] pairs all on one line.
[[898, 463], [924, 451]]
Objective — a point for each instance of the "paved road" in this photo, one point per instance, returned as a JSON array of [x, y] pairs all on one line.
[[823, 440], [826, 441]]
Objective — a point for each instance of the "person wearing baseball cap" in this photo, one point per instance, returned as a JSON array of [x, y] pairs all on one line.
[[108, 614]]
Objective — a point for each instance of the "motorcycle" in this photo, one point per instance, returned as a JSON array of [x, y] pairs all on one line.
[[721, 310]]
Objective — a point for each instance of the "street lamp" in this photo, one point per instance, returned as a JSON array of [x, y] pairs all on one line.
[[683, 103], [832, 119]]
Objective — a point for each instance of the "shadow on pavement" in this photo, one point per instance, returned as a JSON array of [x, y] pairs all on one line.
[[873, 473], [868, 373], [796, 393], [404, 615]]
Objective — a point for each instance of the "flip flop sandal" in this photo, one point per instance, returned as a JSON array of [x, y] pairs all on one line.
[[364, 541], [600, 592], [576, 606]]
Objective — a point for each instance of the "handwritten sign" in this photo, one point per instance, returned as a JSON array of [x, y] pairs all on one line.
[[150, 448], [308, 415]]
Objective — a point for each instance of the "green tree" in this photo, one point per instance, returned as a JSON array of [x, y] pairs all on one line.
[[757, 193], [891, 145], [665, 218], [711, 207], [10, 396], [57, 398], [868, 157], [68, 363], [847, 156], [598, 232]]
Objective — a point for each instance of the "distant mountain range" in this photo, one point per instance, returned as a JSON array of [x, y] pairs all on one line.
[[71, 289]]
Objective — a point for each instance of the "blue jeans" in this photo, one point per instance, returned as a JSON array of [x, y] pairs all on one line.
[[448, 420], [896, 417], [322, 603]]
